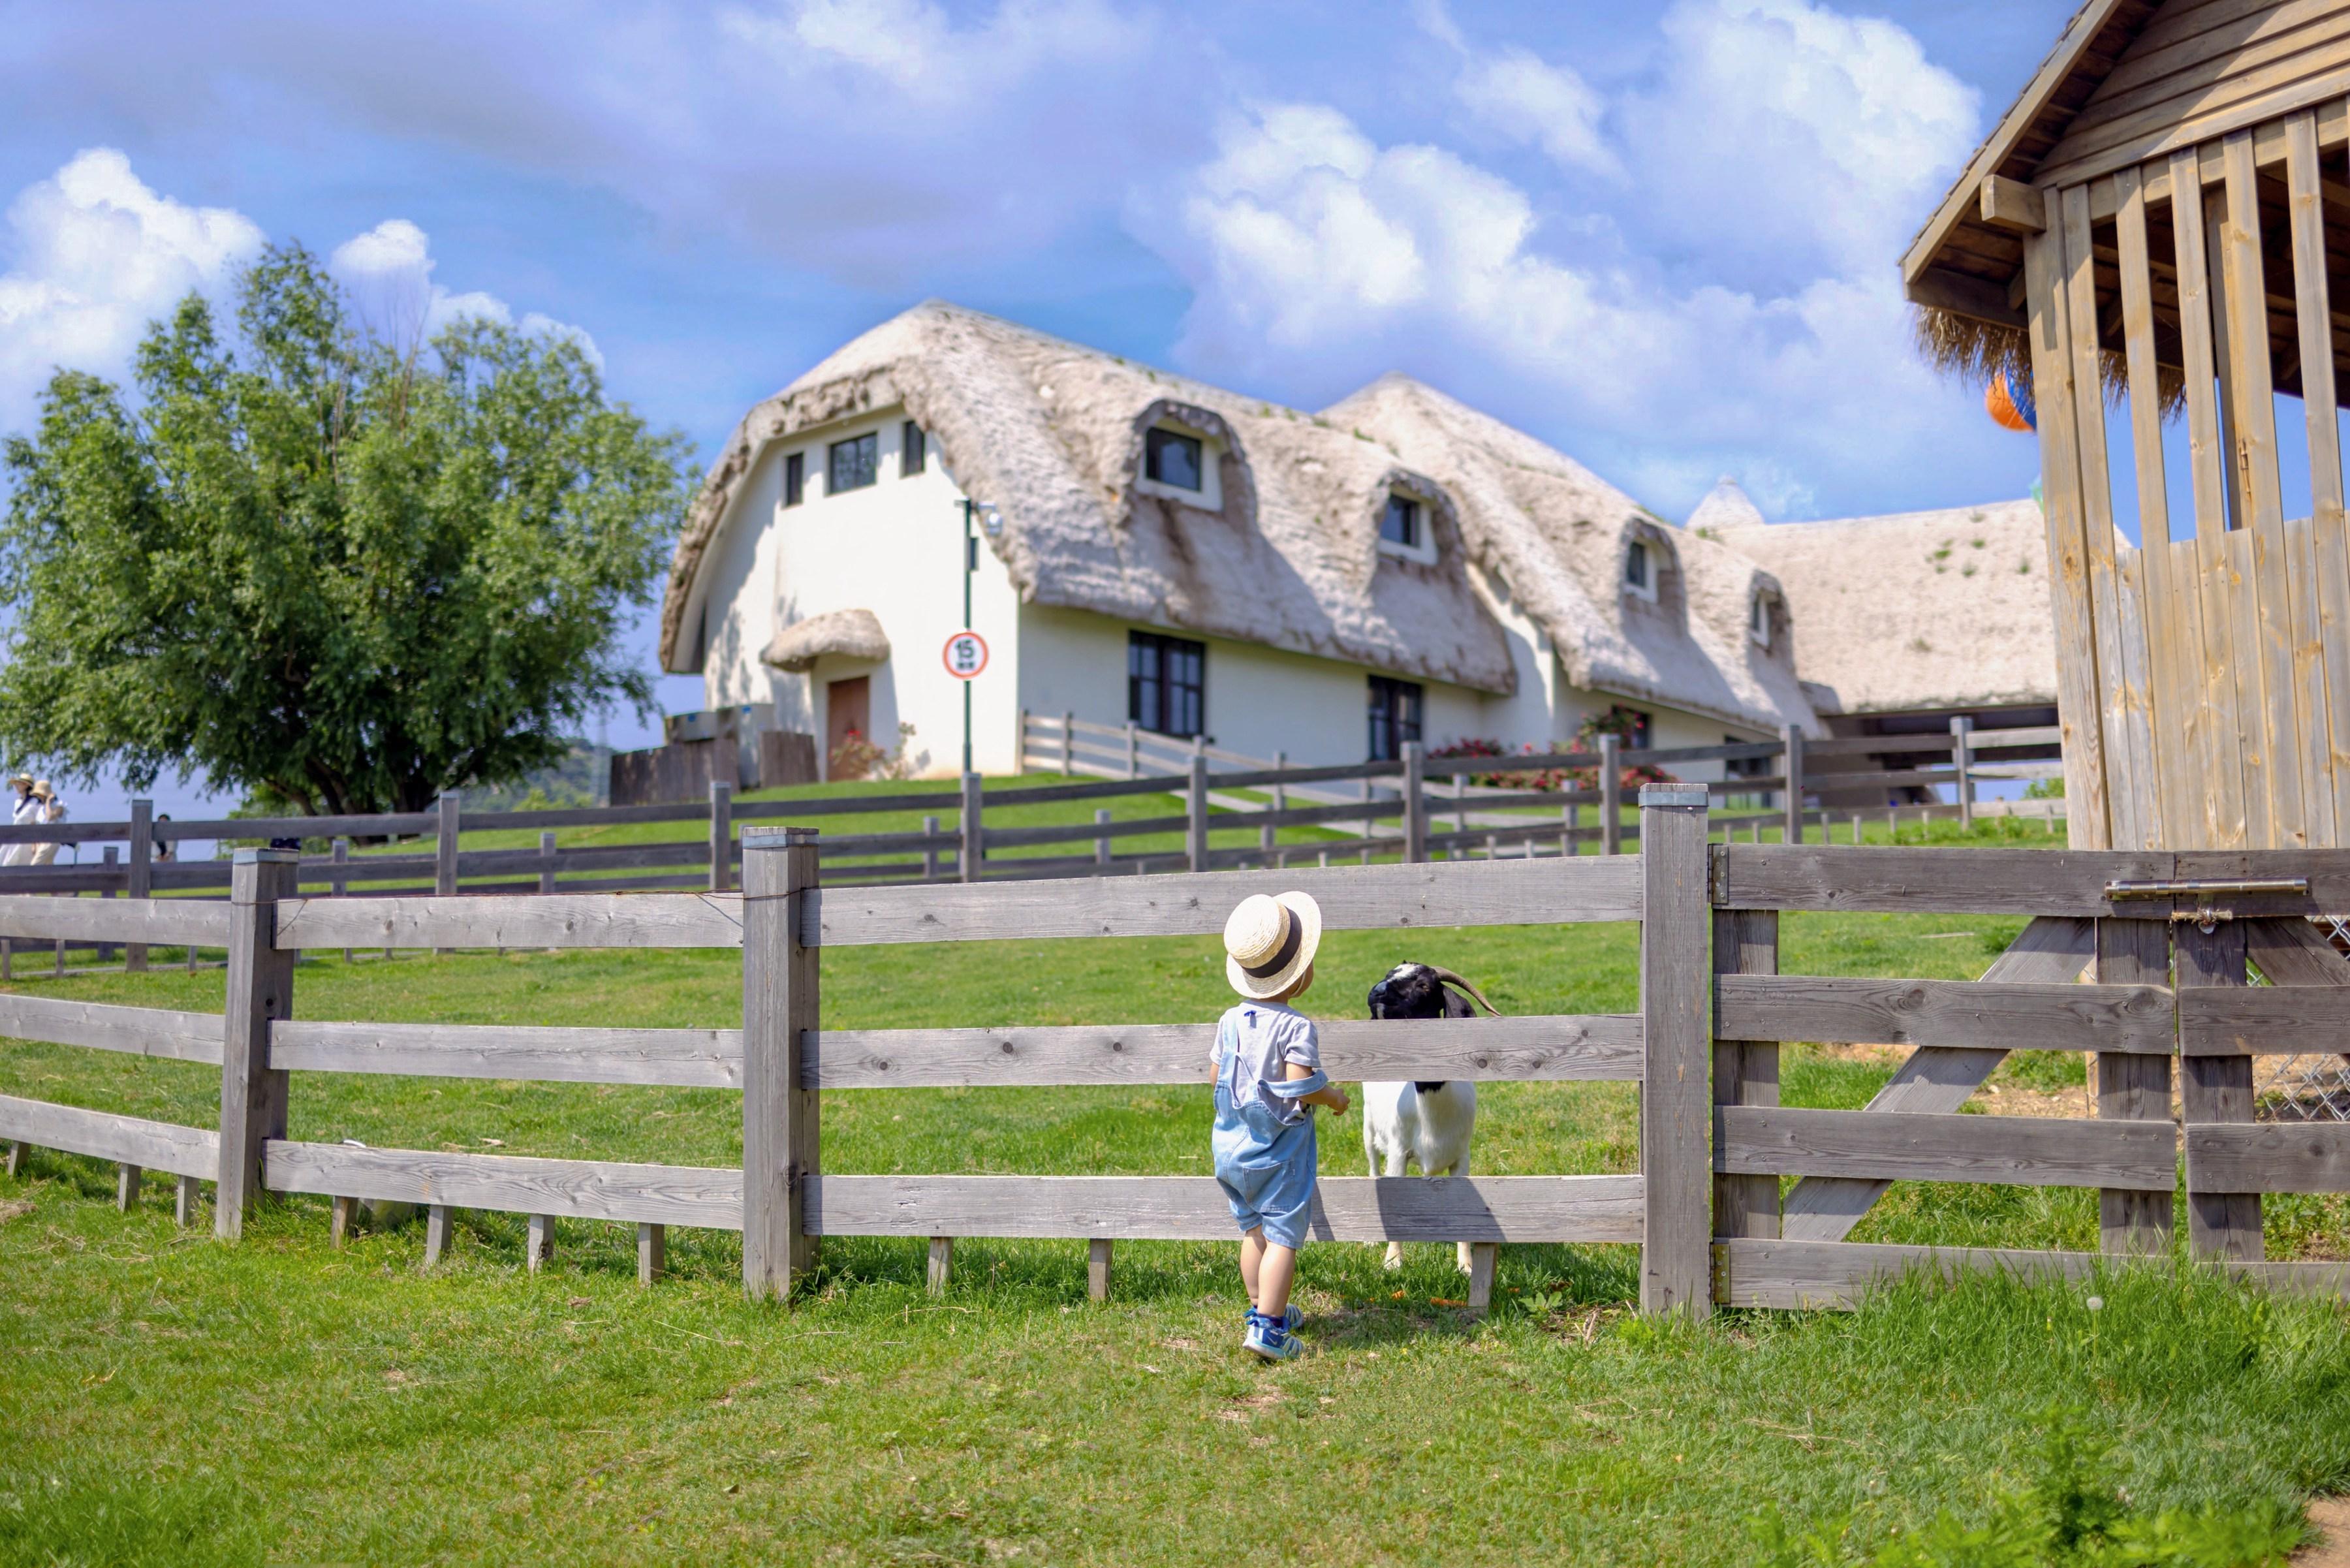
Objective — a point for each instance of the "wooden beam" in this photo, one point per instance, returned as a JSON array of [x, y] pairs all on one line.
[[566, 920], [2024, 1151], [781, 1130], [2135, 1087], [132, 1141], [574, 1188], [2223, 1220], [1809, 1275], [254, 1093], [2272, 1157], [1745, 1070], [2133, 1019], [1674, 1100], [2012, 205], [686, 1058]]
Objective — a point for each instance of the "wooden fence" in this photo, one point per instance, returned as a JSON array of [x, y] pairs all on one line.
[[1395, 808], [2129, 919], [781, 1198]]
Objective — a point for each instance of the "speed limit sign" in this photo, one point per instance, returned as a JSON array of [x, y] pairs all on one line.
[[965, 655]]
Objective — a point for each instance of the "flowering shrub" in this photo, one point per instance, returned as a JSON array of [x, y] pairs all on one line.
[[858, 758], [1617, 721]]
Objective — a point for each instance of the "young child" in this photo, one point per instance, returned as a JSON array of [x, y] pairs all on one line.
[[1268, 1067]]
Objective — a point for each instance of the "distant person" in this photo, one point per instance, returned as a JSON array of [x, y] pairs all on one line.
[[24, 811], [52, 810], [161, 850]]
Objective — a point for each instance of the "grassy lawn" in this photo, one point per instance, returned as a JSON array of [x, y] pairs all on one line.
[[170, 1400]]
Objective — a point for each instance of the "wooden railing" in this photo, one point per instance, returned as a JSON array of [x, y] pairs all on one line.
[[781, 1060], [2134, 1018]]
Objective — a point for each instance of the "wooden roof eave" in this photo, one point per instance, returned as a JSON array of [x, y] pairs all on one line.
[[1959, 205]]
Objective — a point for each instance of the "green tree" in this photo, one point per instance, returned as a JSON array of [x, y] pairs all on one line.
[[333, 572]]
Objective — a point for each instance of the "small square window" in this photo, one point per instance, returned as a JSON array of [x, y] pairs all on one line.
[[913, 450], [1636, 566], [795, 478], [854, 463], [1172, 459], [1401, 523]]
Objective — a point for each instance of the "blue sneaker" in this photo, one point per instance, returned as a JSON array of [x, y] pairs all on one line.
[[1269, 1338], [1291, 1315]]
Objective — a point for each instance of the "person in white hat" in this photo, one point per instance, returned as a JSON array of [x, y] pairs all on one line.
[[24, 811], [51, 809], [1268, 1066]]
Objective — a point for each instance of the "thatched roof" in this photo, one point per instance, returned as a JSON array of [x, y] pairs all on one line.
[[1917, 610], [1556, 534], [852, 633], [1052, 434]]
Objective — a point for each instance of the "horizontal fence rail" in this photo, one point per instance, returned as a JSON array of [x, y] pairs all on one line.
[[126, 1140]]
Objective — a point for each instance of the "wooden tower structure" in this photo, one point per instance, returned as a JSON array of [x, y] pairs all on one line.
[[2161, 224]]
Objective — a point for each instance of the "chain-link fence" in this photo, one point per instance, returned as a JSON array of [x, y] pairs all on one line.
[[2314, 1087]]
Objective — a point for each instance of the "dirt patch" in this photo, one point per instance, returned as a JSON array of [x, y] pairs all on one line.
[[2014, 1100], [15, 1210], [2331, 1517]]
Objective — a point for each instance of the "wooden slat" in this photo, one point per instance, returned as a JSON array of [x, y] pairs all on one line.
[[2255, 739], [1745, 1071], [2136, 1086], [2291, 952], [135, 1031], [2088, 815], [1193, 1208], [1352, 898], [2133, 697], [2120, 689], [2305, 686], [2223, 1222], [1880, 880], [2280, 730], [2198, 777], [173, 921], [2204, 454], [2233, 782], [2296, 1278], [2243, 106], [130, 1140], [691, 1058], [1937, 1080], [2265, 1020], [1674, 1098], [1817, 1274], [2248, 326], [2330, 548], [1564, 1049], [2024, 1151], [2312, 311], [2176, 86], [1841, 1010], [576, 1188], [564, 921], [2272, 1157]]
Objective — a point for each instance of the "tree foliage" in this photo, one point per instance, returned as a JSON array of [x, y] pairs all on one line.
[[334, 572]]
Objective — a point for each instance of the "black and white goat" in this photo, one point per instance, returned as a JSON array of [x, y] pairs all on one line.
[[1427, 1123]]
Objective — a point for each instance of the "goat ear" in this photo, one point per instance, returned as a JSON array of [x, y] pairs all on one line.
[[1450, 979]]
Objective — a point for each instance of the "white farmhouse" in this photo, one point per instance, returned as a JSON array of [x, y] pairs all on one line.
[[1151, 549]]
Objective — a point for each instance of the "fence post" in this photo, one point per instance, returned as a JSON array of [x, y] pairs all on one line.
[[142, 872], [1068, 745], [2130, 1086], [260, 990], [1790, 740], [1280, 787], [339, 882], [444, 851], [1195, 815], [721, 836], [1960, 759], [1101, 844], [1675, 1168], [1133, 751], [1746, 1072], [930, 851], [2220, 1225], [974, 830], [780, 1126], [1415, 803], [547, 861], [1567, 817], [110, 860], [1611, 794]]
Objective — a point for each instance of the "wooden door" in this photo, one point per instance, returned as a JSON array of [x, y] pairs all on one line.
[[848, 712]]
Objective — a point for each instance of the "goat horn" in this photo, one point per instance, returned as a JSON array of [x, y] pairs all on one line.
[[1449, 978]]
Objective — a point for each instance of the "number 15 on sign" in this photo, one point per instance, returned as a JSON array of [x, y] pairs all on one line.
[[965, 655]]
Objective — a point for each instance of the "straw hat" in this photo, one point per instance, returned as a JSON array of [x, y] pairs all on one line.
[[1269, 941], [41, 787], [25, 779]]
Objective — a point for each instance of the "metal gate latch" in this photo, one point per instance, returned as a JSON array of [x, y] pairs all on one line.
[[2203, 891]]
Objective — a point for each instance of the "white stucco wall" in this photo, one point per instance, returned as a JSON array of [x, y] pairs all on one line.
[[893, 548]]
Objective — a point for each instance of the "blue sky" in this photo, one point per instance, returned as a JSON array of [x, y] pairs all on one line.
[[1662, 238]]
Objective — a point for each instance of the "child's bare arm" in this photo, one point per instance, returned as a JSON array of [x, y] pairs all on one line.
[[1334, 1097]]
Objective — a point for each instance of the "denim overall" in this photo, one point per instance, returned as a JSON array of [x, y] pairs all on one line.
[[1266, 1165]]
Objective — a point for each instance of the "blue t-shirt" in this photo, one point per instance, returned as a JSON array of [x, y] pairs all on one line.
[[1262, 1037]]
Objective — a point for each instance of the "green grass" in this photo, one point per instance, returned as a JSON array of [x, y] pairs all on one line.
[[167, 1399]]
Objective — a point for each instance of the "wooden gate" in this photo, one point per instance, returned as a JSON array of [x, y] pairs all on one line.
[[2142, 958]]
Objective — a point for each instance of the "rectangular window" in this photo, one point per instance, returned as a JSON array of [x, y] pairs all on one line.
[[1636, 566], [1395, 716], [1166, 683], [1632, 725], [1171, 459], [1400, 525], [854, 464], [913, 450], [795, 478]]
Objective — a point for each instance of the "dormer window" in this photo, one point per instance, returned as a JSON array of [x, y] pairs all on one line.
[[1406, 529], [1172, 459], [1641, 571], [1758, 621]]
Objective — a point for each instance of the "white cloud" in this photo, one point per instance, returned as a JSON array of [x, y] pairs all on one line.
[[1519, 95], [94, 256], [388, 272]]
